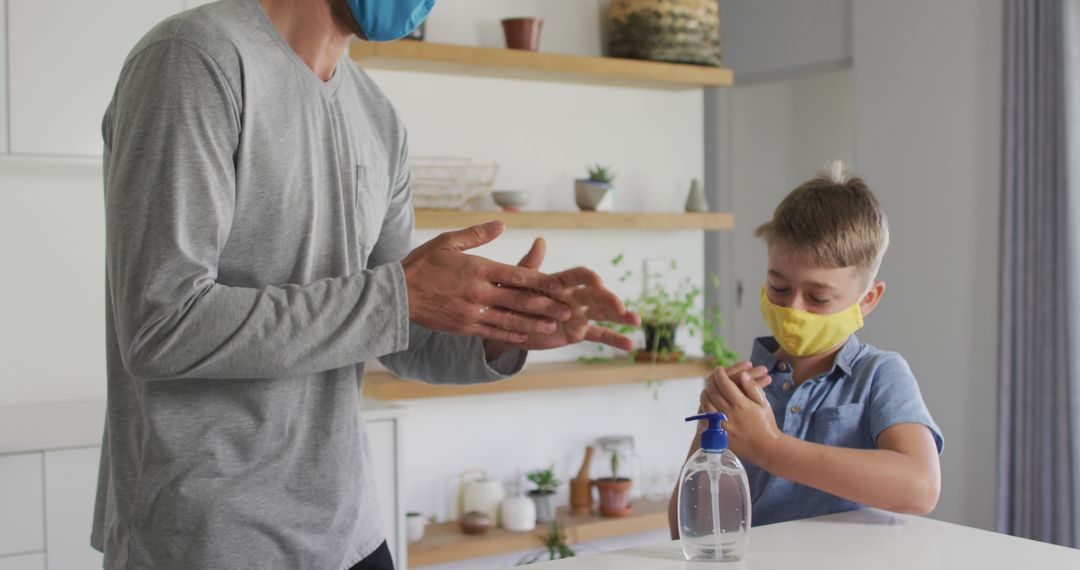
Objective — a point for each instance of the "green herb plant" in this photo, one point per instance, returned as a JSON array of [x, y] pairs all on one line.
[[545, 480], [665, 310], [554, 543]]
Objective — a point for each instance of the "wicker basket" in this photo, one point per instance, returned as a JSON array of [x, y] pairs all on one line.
[[677, 31], [446, 183]]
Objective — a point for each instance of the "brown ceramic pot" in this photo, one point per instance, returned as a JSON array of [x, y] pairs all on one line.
[[475, 522], [522, 33]]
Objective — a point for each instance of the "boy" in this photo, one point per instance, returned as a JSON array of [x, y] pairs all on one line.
[[823, 422]]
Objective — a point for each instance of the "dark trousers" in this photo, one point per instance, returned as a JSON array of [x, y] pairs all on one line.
[[378, 560]]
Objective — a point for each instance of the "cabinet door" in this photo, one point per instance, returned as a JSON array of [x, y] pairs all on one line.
[[382, 439], [21, 510], [70, 486], [3, 87], [24, 562], [64, 59]]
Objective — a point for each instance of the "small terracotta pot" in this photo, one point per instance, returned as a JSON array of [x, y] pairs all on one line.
[[615, 497], [522, 33]]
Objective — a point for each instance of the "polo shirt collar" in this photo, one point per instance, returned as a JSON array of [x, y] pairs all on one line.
[[763, 354]]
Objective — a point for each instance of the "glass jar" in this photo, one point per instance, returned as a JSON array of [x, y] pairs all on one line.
[[629, 464]]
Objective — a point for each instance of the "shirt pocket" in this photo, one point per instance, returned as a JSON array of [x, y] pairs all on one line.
[[370, 201], [839, 426]]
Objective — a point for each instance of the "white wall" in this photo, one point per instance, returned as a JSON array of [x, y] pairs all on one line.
[[928, 105], [543, 135]]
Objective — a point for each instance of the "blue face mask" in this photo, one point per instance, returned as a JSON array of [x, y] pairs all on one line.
[[388, 20]]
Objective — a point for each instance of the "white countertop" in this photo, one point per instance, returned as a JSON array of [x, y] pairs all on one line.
[[63, 425], [857, 540]]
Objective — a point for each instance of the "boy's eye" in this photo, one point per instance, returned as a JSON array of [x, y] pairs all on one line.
[[780, 290], [818, 301]]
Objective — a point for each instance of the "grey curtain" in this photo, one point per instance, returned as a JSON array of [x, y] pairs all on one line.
[[1039, 368]]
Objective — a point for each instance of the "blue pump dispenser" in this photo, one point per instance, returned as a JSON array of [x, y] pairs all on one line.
[[714, 438]]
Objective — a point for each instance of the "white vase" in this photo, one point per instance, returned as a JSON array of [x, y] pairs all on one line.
[[518, 514]]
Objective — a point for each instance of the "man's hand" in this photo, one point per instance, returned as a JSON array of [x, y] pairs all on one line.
[[451, 291], [736, 392], [584, 292]]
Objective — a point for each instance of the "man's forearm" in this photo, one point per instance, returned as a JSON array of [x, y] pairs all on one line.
[[877, 478]]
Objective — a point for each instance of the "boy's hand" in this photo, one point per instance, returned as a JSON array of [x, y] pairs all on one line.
[[751, 425]]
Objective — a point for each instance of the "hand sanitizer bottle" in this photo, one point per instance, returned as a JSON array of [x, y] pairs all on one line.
[[714, 499]]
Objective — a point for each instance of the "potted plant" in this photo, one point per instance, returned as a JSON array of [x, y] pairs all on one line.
[[615, 492], [595, 193], [664, 312], [546, 484]]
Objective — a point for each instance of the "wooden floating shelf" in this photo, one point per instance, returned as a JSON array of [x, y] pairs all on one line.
[[446, 543], [579, 220], [541, 376], [537, 66]]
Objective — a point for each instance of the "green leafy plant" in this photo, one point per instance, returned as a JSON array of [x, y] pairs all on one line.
[[602, 174], [544, 479], [664, 310], [614, 465], [555, 545]]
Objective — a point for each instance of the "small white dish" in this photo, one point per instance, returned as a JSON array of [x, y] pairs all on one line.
[[511, 200]]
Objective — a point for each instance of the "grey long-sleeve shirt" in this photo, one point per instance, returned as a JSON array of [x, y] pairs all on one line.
[[255, 220]]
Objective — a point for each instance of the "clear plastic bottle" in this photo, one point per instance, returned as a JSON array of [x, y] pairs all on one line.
[[714, 499]]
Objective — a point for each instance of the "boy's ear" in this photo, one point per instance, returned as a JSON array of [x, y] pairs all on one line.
[[872, 298]]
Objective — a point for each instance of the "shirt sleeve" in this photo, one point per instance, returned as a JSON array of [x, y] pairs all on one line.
[[171, 134], [433, 357], [895, 399]]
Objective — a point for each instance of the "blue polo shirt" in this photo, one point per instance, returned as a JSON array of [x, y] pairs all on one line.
[[866, 391]]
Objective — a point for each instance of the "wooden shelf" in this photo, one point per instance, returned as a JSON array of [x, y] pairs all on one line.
[[537, 66], [579, 220], [542, 376], [446, 543]]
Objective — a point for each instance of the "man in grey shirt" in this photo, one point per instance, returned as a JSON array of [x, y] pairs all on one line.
[[258, 226]]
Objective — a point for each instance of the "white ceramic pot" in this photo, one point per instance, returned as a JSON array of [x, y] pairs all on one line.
[[594, 196], [518, 514], [415, 523]]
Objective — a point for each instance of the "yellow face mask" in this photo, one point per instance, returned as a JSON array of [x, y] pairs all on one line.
[[807, 334]]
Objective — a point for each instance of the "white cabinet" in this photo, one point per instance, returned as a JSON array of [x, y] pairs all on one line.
[[24, 562], [383, 442], [48, 482], [70, 488], [21, 519], [64, 59]]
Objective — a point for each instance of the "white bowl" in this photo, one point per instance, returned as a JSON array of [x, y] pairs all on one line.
[[510, 200]]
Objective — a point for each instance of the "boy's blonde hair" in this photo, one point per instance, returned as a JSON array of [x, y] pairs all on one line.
[[831, 220]]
